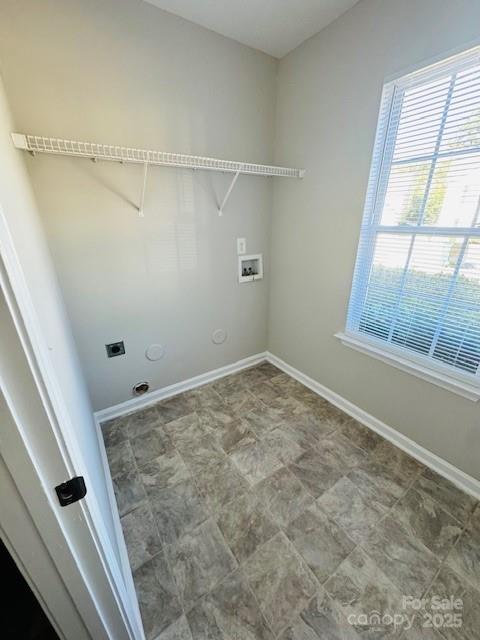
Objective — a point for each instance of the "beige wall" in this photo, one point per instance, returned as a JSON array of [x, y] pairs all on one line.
[[328, 99], [41, 303], [122, 71]]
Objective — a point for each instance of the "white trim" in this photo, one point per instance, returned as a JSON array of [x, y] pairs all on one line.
[[431, 61], [430, 369], [122, 547], [24, 317], [461, 479], [25, 545], [141, 402], [409, 365], [134, 404], [68, 554]]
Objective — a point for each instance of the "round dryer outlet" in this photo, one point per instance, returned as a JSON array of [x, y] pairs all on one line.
[[219, 336], [155, 352], [140, 388]]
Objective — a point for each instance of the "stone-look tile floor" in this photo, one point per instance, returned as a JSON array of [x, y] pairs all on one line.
[[254, 509]]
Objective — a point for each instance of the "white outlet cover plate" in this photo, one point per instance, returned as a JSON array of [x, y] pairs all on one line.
[[219, 336], [155, 352], [241, 246]]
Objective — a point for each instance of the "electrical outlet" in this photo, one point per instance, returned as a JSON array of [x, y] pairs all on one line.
[[115, 349], [241, 246]]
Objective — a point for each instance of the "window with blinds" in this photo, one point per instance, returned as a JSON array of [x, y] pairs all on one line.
[[416, 287]]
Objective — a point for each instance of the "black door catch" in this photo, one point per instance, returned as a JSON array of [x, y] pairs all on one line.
[[71, 491]]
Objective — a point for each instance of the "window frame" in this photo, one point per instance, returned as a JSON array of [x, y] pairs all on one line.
[[425, 367]]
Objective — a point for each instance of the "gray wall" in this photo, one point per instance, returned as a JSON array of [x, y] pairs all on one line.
[[124, 72], [328, 99], [43, 309]]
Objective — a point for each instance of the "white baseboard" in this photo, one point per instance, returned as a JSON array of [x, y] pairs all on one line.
[[122, 547], [462, 480], [152, 397], [134, 405]]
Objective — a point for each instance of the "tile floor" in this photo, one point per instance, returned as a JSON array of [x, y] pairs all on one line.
[[253, 509]]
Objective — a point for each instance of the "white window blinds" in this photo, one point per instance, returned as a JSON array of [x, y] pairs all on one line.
[[416, 286]]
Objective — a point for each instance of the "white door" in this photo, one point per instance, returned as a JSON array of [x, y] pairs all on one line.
[[48, 434], [37, 462]]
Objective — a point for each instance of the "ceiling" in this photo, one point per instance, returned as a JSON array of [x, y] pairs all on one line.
[[273, 26]]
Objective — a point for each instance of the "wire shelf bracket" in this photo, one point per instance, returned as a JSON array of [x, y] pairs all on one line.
[[229, 191], [147, 157], [144, 188]]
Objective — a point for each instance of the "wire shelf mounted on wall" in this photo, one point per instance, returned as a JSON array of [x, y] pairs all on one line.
[[147, 157]]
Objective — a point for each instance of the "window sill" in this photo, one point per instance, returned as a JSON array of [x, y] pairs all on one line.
[[372, 348]]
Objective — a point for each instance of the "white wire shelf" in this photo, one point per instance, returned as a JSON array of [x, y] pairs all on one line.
[[95, 151]]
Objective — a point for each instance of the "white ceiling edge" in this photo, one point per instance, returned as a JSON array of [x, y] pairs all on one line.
[[275, 27]]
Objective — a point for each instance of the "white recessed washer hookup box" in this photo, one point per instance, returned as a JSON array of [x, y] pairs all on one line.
[[250, 268]]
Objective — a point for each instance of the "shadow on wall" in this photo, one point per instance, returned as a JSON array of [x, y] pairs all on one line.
[[173, 248], [185, 179]]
